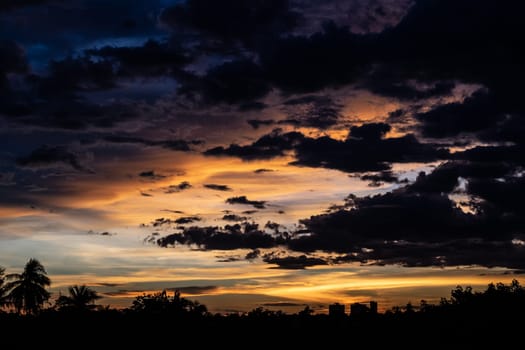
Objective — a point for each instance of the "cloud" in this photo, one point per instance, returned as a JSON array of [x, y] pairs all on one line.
[[233, 217], [246, 201], [175, 145], [363, 150], [41, 107], [436, 40], [376, 179], [12, 58], [283, 304], [9, 5], [249, 212], [231, 20], [293, 262], [217, 187], [256, 123], [262, 170], [366, 151], [476, 113], [104, 233], [268, 146], [318, 111], [331, 58], [234, 82], [187, 220], [162, 222], [473, 252], [177, 188], [419, 225], [50, 156], [371, 131], [154, 58], [151, 175], [194, 290], [76, 74], [229, 237], [393, 83], [368, 16], [398, 215]]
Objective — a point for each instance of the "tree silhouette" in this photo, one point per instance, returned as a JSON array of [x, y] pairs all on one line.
[[27, 291], [162, 303], [79, 298], [3, 291]]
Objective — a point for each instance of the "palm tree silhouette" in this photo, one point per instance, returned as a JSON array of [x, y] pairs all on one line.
[[80, 298], [27, 292]]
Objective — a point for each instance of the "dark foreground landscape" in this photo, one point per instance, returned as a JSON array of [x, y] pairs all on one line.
[[466, 319]]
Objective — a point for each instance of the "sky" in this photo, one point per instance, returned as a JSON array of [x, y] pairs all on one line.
[[274, 154]]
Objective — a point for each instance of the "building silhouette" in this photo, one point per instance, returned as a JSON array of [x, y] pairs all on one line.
[[336, 310], [357, 309]]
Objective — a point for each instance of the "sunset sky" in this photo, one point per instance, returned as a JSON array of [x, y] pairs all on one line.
[[264, 153]]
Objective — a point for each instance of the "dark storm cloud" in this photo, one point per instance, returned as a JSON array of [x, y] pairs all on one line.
[[233, 217], [175, 145], [162, 222], [473, 252], [245, 201], [46, 156], [268, 146], [363, 16], [76, 74], [512, 154], [154, 58], [256, 123], [262, 170], [249, 212], [509, 129], [231, 20], [187, 220], [41, 28], [312, 111], [503, 196], [387, 82], [394, 216], [376, 179], [473, 41], [196, 290], [371, 131], [42, 108], [293, 262], [445, 177], [177, 188], [478, 112], [305, 64], [233, 82], [151, 175], [7, 5], [229, 237], [283, 304], [420, 226], [364, 150], [12, 58], [217, 187]]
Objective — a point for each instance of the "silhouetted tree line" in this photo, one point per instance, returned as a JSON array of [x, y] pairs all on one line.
[[466, 318]]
